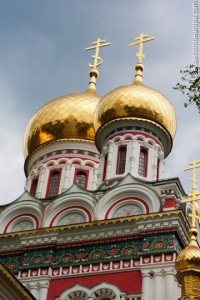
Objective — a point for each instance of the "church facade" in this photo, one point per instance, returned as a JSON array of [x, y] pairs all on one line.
[[98, 220]]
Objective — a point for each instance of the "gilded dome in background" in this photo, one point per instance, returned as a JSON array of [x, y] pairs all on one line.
[[66, 117], [188, 258], [137, 101]]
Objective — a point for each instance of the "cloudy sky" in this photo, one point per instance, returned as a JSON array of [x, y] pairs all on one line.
[[42, 57]]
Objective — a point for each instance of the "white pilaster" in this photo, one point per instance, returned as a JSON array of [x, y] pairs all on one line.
[[162, 165], [94, 179], [28, 184], [146, 286], [43, 291], [67, 171], [132, 156], [158, 286], [109, 161], [169, 285], [34, 290], [155, 162], [40, 189]]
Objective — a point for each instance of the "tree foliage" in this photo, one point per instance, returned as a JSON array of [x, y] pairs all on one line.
[[190, 85]]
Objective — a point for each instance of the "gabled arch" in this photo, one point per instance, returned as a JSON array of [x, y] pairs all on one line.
[[75, 202], [19, 211], [124, 191]]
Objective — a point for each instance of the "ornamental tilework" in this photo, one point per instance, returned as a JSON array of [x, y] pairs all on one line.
[[91, 254], [131, 128], [69, 151]]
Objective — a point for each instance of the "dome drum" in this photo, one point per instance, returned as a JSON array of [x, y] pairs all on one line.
[[57, 149], [106, 130]]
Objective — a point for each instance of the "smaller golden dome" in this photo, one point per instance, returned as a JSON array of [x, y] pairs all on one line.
[[66, 117], [189, 258], [136, 101]]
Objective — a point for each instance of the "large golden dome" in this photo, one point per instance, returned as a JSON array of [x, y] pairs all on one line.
[[66, 117], [136, 101]]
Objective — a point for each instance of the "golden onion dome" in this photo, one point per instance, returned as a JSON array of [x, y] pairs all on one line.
[[136, 101], [66, 117], [189, 258]]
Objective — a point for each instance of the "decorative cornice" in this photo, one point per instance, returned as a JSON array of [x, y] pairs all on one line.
[[94, 223]]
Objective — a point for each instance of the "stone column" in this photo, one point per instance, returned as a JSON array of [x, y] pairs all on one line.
[[170, 290], [40, 189], [155, 163], [67, 171], [146, 286], [109, 161], [162, 165], [34, 290], [132, 157], [94, 179], [28, 184], [158, 286], [43, 291]]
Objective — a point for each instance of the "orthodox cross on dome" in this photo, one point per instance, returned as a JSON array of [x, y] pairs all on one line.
[[143, 38], [140, 40], [194, 196], [97, 62]]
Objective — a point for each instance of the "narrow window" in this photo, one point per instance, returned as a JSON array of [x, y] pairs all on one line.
[[54, 184], [34, 187], [158, 169], [81, 179], [121, 163], [105, 166], [143, 163]]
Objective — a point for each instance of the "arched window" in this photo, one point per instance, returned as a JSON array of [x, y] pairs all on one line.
[[121, 163], [105, 166], [80, 179], [34, 187], [53, 184], [143, 162]]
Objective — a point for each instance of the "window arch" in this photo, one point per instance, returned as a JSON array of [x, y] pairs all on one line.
[[143, 162], [121, 162], [34, 187], [158, 169], [53, 185], [81, 179]]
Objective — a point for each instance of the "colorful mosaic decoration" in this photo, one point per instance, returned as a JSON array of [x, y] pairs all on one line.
[[134, 128], [92, 253]]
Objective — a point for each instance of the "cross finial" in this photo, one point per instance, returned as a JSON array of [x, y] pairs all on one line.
[[139, 68], [194, 196], [97, 62], [140, 40]]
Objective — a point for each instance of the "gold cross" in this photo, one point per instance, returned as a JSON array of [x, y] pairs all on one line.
[[143, 38], [194, 196], [97, 44]]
